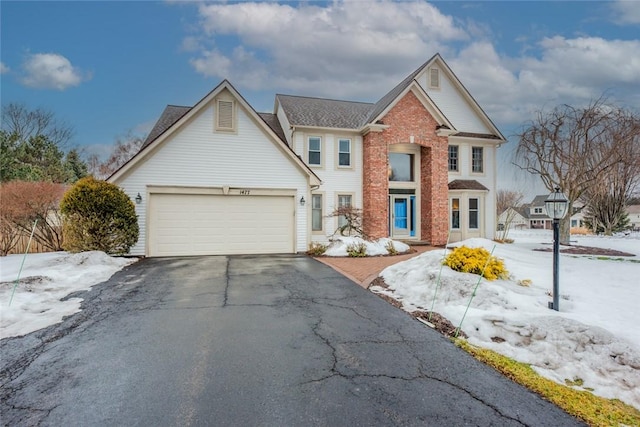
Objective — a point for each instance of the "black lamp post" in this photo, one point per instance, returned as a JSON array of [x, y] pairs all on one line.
[[556, 206]]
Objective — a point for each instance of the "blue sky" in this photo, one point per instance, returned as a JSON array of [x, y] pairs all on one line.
[[111, 67]]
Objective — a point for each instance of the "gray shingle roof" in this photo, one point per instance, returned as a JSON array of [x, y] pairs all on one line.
[[466, 184], [272, 121], [394, 93], [329, 113], [170, 115]]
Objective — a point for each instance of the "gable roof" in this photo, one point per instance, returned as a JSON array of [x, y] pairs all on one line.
[[272, 121], [328, 113], [394, 93], [539, 200], [173, 112], [170, 115]]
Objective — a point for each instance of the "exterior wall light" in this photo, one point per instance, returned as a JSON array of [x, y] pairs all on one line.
[[302, 201], [556, 206], [138, 199]]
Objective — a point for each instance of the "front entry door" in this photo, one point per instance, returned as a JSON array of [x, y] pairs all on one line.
[[401, 210]]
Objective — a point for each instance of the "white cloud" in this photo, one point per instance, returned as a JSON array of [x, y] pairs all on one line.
[[51, 71], [3, 68], [564, 70], [327, 51], [626, 12]]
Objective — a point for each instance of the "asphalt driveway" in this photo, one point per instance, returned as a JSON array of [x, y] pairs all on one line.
[[252, 341]]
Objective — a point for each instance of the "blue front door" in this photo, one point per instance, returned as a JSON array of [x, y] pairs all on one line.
[[401, 210]]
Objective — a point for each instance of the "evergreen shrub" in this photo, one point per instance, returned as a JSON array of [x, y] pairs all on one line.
[[98, 216]]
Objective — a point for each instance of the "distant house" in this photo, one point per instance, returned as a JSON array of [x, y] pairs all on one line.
[[534, 215], [633, 211], [515, 216], [220, 178]]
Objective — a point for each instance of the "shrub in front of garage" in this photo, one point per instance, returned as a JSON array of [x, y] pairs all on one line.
[[98, 216]]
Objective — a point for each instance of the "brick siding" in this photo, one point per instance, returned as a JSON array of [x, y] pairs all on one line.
[[407, 118]]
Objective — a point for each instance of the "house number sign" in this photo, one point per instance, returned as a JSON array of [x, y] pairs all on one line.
[[245, 192]]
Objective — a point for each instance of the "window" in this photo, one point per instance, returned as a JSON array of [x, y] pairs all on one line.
[[476, 160], [537, 210], [434, 78], [315, 153], [455, 213], [344, 201], [316, 212], [473, 213], [401, 167], [453, 158], [225, 120], [344, 152]]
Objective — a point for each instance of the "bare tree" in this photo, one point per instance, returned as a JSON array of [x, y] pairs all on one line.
[[506, 199], [607, 198], [25, 123], [125, 148], [572, 148]]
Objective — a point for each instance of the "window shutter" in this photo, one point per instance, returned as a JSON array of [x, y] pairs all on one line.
[[225, 114]]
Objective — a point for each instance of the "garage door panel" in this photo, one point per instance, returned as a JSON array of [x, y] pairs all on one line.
[[186, 224]]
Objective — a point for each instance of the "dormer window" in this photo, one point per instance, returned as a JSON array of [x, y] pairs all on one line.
[[434, 78], [225, 116]]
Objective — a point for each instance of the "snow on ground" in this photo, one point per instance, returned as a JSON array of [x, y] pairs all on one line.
[[595, 338], [338, 247], [46, 279]]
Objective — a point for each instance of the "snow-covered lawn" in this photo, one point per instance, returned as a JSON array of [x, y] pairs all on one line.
[[595, 338], [45, 279]]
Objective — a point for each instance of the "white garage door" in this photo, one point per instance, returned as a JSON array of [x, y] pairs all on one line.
[[189, 224]]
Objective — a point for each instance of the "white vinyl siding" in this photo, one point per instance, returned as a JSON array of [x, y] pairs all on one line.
[[196, 157], [335, 180], [453, 104]]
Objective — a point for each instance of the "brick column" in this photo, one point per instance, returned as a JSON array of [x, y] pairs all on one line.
[[375, 186]]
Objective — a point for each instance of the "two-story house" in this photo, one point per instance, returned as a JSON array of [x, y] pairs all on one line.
[[220, 178]]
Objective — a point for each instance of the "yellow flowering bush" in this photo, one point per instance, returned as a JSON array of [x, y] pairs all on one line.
[[472, 260]]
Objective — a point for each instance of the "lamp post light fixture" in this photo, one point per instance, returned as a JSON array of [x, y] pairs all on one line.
[[556, 206]]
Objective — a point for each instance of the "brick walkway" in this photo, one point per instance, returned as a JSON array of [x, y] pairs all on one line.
[[364, 270]]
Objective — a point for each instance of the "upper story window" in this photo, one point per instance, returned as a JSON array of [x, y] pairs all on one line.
[[453, 158], [401, 167], [537, 210], [314, 151], [225, 115], [344, 152], [434, 78], [477, 160]]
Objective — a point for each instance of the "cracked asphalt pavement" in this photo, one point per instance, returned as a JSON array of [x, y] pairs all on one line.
[[255, 341]]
